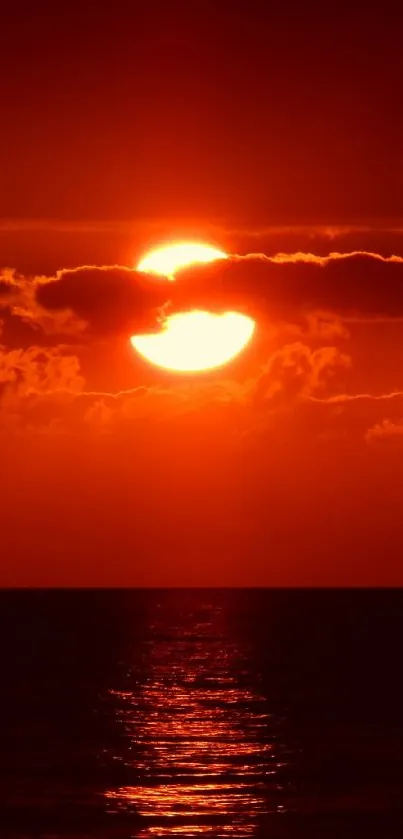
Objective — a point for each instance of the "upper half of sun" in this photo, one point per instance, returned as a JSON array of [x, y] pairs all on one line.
[[196, 340], [168, 259]]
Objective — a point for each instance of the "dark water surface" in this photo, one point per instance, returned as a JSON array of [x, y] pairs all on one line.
[[192, 713]]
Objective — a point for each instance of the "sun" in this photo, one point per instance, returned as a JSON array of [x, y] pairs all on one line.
[[166, 260], [194, 341]]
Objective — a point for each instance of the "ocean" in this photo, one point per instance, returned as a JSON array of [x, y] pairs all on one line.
[[222, 713]]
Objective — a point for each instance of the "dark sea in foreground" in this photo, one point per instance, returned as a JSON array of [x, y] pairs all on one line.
[[201, 713]]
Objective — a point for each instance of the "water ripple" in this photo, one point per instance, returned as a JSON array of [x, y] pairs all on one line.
[[200, 741]]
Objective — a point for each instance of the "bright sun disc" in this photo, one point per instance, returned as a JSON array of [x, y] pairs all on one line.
[[165, 261], [190, 342], [194, 341]]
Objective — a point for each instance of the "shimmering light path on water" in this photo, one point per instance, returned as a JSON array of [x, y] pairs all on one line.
[[206, 756]]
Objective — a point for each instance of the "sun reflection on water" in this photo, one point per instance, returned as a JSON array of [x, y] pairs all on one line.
[[199, 735]]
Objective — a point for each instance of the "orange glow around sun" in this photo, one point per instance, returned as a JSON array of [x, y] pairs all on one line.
[[190, 342]]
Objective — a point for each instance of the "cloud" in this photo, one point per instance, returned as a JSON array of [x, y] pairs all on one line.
[[357, 417], [385, 432], [289, 375], [36, 385], [25, 321], [5, 290], [366, 398], [60, 330], [324, 326], [294, 283], [8, 285], [314, 294], [40, 370], [111, 299], [295, 370]]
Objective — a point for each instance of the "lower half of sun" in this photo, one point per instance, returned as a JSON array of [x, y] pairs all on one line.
[[195, 341], [192, 341]]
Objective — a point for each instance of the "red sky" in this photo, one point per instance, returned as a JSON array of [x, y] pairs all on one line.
[[263, 128]]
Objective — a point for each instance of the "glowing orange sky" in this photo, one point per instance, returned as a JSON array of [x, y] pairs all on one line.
[[246, 475]]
